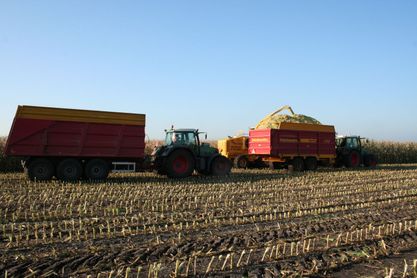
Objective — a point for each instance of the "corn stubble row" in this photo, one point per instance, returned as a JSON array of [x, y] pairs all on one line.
[[252, 221]]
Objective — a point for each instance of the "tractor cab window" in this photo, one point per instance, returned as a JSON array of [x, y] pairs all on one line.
[[183, 138], [352, 143]]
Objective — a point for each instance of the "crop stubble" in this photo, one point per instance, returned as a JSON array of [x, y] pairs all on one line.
[[255, 222]]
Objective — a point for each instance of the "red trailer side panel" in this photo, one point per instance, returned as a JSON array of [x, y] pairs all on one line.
[[84, 136], [292, 142]]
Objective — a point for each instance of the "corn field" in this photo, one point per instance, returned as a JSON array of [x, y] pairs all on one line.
[[256, 223], [393, 152]]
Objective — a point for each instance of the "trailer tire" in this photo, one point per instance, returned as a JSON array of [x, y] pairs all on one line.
[[40, 169], [179, 164], [69, 169], [298, 164], [311, 164], [220, 166], [97, 169], [352, 160], [241, 162], [370, 160]]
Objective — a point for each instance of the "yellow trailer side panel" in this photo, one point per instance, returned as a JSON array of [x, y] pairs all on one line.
[[233, 147]]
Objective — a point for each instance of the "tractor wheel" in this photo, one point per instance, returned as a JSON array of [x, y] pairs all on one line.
[[40, 169], [298, 164], [220, 166], [241, 161], [69, 170], [311, 163], [179, 164], [353, 160], [97, 169], [370, 160]]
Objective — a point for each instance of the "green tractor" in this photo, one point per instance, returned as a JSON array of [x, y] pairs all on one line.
[[183, 152], [349, 153]]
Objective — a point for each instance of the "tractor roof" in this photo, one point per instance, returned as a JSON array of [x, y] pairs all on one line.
[[183, 130]]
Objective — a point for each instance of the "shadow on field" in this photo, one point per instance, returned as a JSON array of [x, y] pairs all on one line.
[[397, 167], [392, 167], [237, 175], [241, 176]]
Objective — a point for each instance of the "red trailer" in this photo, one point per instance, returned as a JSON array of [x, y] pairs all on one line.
[[302, 145], [71, 143]]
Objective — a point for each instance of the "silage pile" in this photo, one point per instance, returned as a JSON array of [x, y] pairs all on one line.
[[273, 120]]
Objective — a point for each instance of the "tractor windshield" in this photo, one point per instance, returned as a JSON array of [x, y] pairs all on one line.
[[348, 142], [183, 138]]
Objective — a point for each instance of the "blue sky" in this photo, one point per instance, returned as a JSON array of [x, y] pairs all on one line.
[[217, 65]]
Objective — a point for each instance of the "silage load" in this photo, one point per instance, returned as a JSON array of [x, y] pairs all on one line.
[[273, 120]]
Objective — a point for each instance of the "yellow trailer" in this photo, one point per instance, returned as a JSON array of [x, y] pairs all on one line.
[[236, 150]]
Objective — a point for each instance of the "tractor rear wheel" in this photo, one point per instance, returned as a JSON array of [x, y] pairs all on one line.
[[40, 169], [69, 170], [179, 164], [298, 164], [220, 166], [241, 161], [353, 159], [370, 160], [311, 164], [97, 169]]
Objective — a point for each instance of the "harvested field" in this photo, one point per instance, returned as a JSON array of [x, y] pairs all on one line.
[[253, 223]]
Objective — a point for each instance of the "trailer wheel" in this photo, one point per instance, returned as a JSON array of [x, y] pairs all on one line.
[[69, 170], [241, 161], [352, 160], [179, 164], [40, 169], [220, 166], [298, 164], [370, 160], [311, 163], [97, 169]]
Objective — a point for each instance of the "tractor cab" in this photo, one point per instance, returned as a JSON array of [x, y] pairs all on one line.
[[183, 152], [182, 137], [349, 143], [351, 154], [189, 138]]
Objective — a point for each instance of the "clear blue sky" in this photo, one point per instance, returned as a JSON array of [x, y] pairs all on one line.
[[217, 65]]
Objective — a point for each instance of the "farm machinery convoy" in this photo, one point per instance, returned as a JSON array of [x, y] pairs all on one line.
[[71, 144]]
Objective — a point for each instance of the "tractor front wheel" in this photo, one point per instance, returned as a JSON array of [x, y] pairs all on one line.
[[220, 166], [179, 164]]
